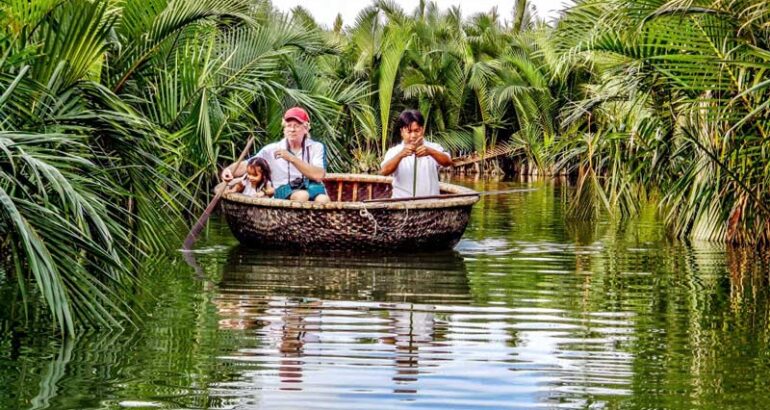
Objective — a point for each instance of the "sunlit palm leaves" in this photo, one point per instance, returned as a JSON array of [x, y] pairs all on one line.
[[88, 183], [147, 27], [53, 217], [396, 42], [702, 65]]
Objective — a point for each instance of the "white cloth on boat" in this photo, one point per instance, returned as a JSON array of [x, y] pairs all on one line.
[[403, 177]]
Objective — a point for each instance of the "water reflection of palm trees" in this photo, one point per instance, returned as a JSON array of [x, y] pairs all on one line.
[[307, 307]]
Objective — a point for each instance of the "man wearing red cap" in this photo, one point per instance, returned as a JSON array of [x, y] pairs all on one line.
[[297, 163]]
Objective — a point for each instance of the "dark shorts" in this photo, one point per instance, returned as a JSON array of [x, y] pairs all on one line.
[[313, 189]]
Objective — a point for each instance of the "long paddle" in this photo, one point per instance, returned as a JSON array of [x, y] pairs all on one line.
[[447, 196], [198, 227]]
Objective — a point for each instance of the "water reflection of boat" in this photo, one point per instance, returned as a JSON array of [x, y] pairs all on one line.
[[416, 278], [308, 311], [349, 224]]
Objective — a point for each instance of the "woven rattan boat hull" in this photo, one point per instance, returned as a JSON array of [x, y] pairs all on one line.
[[344, 229], [349, 226]]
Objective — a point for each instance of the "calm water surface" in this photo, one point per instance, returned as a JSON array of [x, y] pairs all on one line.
[[529, 311]]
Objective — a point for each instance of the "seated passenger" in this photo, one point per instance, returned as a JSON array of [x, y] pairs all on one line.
[[256, 183], [297, 163], [400, 161]]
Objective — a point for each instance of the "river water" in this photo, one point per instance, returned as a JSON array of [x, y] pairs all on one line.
[[528, 311]]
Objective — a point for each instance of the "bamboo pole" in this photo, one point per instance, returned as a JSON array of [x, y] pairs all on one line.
[[201, 222]]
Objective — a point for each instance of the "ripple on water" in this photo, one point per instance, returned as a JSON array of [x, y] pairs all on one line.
[[529, 312]]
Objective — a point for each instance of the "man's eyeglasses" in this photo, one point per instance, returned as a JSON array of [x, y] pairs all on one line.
[[293, 125]]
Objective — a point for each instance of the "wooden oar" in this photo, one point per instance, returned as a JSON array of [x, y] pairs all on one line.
[[198, 227], [447, 196]]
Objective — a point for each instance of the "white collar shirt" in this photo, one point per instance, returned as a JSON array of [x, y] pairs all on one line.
[[427, 173], [281, 171]]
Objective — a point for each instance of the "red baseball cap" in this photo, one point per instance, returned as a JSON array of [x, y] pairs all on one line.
[[296, 113]]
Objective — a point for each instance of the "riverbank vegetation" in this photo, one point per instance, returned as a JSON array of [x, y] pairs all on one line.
[[115, 115]]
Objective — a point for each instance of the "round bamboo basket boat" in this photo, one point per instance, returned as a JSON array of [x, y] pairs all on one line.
[[348, 223]]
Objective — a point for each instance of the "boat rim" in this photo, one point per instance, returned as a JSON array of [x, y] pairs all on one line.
[[406, 204]]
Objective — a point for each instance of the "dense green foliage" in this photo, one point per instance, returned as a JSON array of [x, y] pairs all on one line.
[[115, 114], [112, 118], [678, 98]]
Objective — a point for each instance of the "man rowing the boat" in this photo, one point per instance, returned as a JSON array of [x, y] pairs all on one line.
[[297, 163], [401, 160]]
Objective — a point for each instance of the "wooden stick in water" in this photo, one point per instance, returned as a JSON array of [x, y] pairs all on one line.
[[201, 222]]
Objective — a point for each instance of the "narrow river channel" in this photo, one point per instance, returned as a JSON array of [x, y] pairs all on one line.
[[528, 311]]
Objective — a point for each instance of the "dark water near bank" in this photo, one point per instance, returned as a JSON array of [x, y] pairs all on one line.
[[527, 312]]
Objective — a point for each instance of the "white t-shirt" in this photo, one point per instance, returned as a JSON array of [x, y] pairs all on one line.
[[281, 170], [427, 173]]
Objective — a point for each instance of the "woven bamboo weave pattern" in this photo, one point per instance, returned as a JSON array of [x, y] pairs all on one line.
[[346, 226]]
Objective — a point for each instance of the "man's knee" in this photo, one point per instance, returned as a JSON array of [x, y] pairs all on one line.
[[301, 196], [322, 199]]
